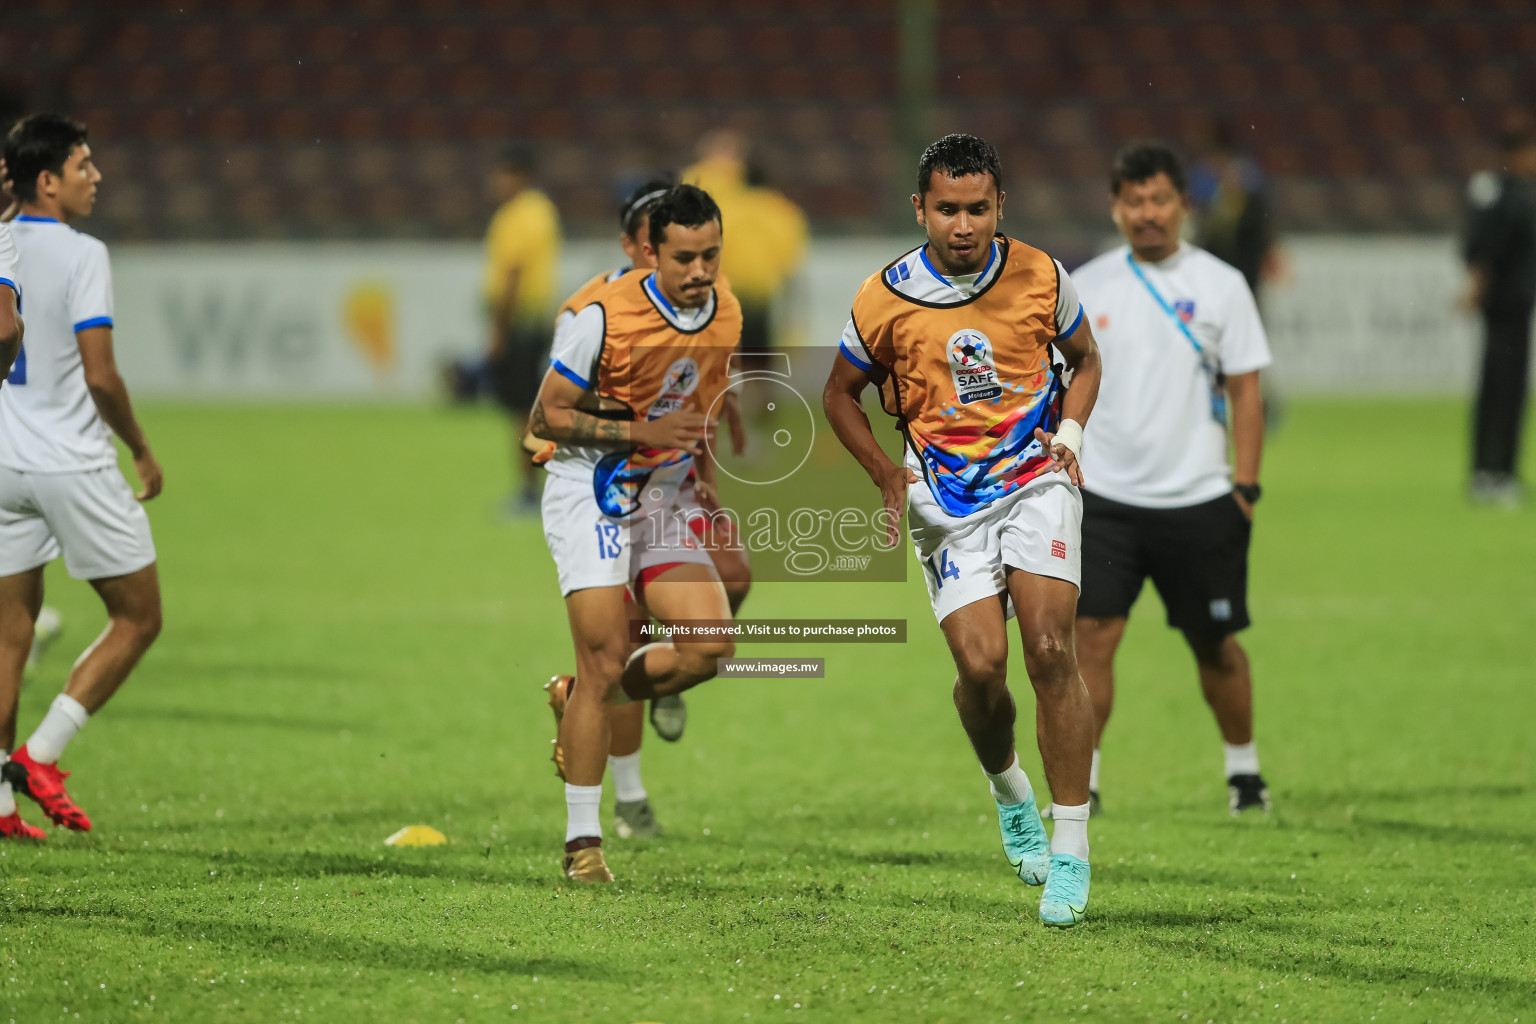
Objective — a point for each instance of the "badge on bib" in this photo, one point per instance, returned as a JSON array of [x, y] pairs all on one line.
[[970, 364], [681, 381]]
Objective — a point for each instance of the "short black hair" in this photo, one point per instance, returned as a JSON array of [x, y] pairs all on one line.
[[1142, 161], [36, 144], [687, 205], [959, 156], [640, 202]]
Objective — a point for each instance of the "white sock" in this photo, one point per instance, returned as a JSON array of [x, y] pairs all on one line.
[[627, 786], [1071, 835], [1093, 772], [581, 811], [66, 716], [1242, 759], [1010, 787], [7, 798]]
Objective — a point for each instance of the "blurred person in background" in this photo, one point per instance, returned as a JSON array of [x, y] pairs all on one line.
[[1500, 251], [1181, 338], [768, 233], [633, 816], [1229, 196], [50, 622], [60, 487], [522, 265]]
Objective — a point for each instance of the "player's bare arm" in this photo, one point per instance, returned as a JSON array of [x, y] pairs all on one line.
[[1081, 353], [111, 397], [1247, 403], [840, 400], [557, 417]]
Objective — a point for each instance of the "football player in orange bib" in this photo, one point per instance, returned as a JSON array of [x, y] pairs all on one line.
[[958, 335], [632, 813], [634, 378]]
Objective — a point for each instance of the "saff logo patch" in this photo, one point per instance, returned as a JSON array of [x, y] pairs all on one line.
[[970, 365], [682, 380], [1185, 308]]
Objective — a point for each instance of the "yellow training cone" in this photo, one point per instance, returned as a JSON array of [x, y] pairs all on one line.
[[417, 835]]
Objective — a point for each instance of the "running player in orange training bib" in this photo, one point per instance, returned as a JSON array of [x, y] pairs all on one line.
[[632, 814], [633, 378], [958, 336]]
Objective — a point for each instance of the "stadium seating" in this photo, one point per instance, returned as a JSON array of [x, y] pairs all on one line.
[[301, 118]]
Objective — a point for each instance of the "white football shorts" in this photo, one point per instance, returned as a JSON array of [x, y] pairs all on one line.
[[592, 549], [1037, 529], [92, 516]]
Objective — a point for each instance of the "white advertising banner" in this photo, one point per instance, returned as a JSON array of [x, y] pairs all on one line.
[[317, 321]]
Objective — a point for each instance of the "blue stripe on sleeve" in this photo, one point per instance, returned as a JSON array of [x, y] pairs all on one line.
[[856, 360], [13, 285], [1075, 323], [95, 321], [569, 374]]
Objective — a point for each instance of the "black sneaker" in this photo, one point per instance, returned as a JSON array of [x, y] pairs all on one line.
[[1246, 792]]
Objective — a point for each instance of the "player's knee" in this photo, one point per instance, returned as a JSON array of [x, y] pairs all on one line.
[[737, 588], [1222, 653], [982, 664], [143, 625], [604, 667], [1048, 656]]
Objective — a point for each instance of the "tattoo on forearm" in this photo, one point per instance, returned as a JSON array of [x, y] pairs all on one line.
[[586, 427], [538, 423]]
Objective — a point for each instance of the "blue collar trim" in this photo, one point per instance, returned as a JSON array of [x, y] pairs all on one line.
[[991, 259], [28, 218]]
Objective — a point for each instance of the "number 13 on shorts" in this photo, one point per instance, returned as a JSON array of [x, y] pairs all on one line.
[[942, 568], [608, 545]]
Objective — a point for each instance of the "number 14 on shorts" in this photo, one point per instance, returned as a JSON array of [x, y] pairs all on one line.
[[942, 568], [608, 545]]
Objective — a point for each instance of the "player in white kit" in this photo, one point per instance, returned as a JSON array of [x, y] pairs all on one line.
[[61, 491]]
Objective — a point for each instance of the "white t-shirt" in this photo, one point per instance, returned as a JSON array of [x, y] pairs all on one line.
[[1152, 440], [48, 420], [574, 354]]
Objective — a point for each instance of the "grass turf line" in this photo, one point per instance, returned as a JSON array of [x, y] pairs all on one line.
[[352, 645]]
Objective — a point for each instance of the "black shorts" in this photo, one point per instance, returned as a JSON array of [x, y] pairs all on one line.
[[1197, 557], [518, 369]]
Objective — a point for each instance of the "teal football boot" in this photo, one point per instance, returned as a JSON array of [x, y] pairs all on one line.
[[1025, 843], [1065, 900]]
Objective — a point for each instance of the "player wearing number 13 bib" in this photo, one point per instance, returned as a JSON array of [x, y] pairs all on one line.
[[959, 337], [635, 378]]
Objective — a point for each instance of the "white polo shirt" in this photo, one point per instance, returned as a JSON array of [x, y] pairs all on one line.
[[1152, 440], [48, 420]]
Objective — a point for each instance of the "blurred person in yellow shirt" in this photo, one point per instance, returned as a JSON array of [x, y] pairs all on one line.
[[768, 231], [522, 259]]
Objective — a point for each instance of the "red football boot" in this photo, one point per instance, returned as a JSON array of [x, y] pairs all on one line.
[[45, 784], [12, 827]]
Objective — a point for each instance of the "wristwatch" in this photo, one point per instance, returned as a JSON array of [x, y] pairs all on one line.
[[1251, 492]]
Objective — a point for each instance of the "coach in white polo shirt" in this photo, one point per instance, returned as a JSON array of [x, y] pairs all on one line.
[[1183, 347], [61, 491]]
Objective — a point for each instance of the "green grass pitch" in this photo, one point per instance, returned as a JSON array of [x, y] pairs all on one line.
[[352, 644]]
